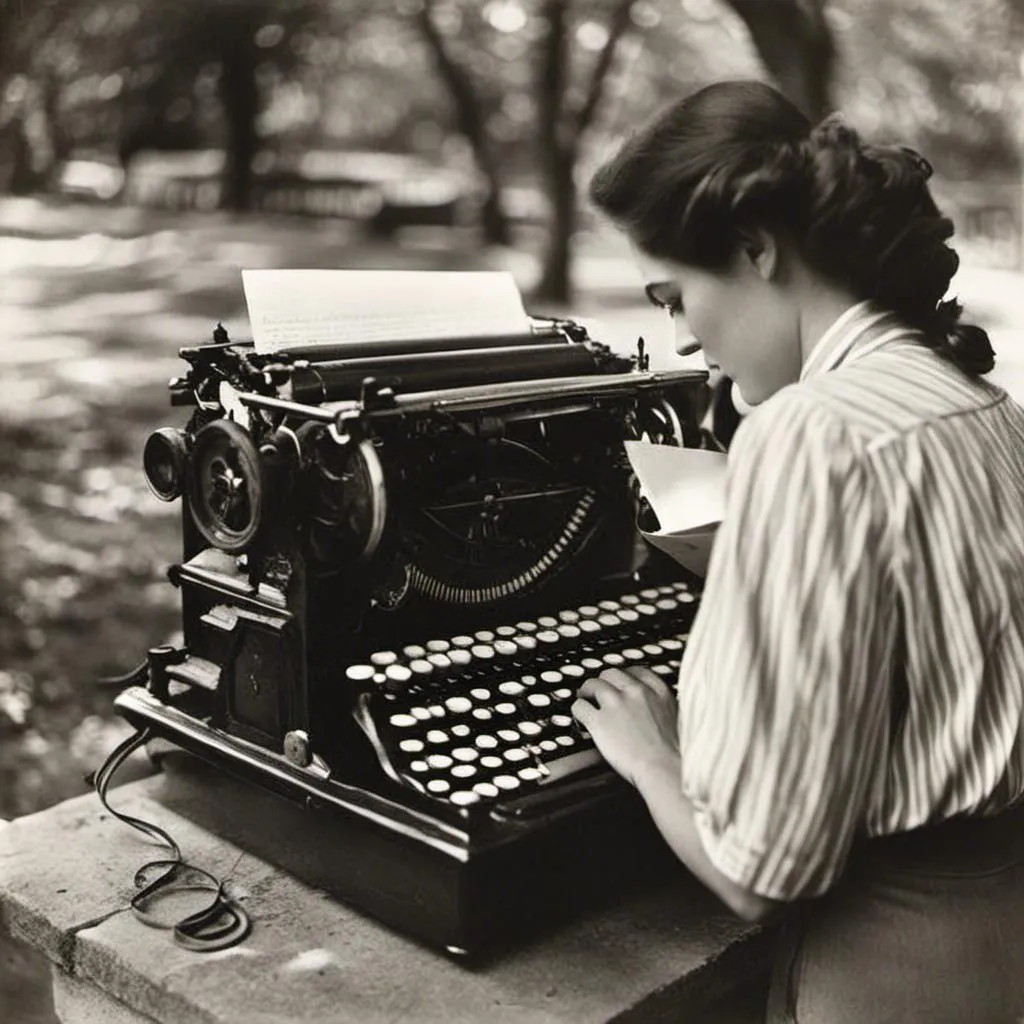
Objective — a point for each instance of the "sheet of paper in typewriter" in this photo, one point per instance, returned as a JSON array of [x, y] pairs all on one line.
[[686, 489], [330, 307]]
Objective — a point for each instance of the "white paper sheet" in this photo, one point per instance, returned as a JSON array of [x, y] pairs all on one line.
[[321, 307], [686, 489]]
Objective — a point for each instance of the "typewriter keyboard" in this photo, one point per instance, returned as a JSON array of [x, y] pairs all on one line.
[[472, 718]]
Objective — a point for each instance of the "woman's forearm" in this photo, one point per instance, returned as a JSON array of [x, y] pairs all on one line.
[[659, 784]]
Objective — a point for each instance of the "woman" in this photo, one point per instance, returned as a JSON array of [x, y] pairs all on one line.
[[849, 740]]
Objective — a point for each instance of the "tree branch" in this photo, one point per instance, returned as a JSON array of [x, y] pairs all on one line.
[[552, 75], [617, 27], [793, 39]]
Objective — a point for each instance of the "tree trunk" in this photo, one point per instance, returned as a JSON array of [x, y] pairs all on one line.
[[795, 43], [241, 99], [470, 123], [556, 278]]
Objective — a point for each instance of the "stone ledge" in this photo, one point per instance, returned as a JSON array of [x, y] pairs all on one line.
[[66, 875]]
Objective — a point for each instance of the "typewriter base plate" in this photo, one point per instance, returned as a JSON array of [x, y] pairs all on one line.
[[470, 892]]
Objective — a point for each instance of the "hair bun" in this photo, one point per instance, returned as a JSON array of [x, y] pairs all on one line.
[[970, 348]]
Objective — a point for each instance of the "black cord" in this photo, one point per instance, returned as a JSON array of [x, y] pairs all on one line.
[[222, 922]]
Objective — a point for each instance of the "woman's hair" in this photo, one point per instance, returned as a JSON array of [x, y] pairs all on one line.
[[738, 155]]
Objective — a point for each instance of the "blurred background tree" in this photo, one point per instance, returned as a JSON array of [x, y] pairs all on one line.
[[522, 94]]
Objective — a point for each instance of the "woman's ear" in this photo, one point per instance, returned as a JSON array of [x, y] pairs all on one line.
[[760, 250]]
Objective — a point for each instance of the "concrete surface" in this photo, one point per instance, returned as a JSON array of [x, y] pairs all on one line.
[[67, 873]]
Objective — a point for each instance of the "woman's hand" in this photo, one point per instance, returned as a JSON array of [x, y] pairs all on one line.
[[631, 714]]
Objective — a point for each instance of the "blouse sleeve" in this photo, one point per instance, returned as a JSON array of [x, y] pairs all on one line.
[[783, 691]]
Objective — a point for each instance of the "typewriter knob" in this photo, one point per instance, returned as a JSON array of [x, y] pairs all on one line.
[[297, 748], [225, 486], [163, 461]]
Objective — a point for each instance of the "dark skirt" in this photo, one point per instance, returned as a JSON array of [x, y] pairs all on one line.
[[926, 927]]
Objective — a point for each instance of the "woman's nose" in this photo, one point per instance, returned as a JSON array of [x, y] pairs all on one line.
[[686, 341]]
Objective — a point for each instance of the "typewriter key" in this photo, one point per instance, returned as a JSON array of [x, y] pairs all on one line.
[[511, 688], [463, 771], [628, 614], [491, 761], [653, 650], [505, 708], [461, 731], [526, 627], [438, 646], [562, 721], [486, 789], [506, 632], [421, 714], [438, 761], [613, 659], [662, 670], [666, 588], [421, 668], [632, 654], [509, 735], [359, 673], [530, 774], [629, 599], [671, 644], [592, 664], [462, 641], [589, 626], [506, 782], [528, 680], [383, 658], [609, 619], [608, 606], [414, 651], [547, 622], [441, 662], [411, 746], [550, 676], [437, 736], [666, 604], [482, 714], [506, 648], [486, 742], [436, 710], [397, 674], [548, 637], [460, 657], [589, 611], [565, 740], [482, 652], [419, 767], [563, 693], [568, 632], [569, 616], [528, 728], [463, 798], [685, 597], [650, 594], [465, 754], [525, 643], [480, 693], [401, 721], [539, 700], [548, 746], [647, 609], [484, 636], [438, 786], [516, 754], [458, 705], [573, 671]]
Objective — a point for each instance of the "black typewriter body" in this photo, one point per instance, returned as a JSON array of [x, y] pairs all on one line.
[[399, 562]]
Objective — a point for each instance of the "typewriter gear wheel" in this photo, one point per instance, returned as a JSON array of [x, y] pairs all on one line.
[[500, 520], [225, 486]]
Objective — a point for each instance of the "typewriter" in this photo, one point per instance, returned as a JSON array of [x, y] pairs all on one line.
[[399, 562]]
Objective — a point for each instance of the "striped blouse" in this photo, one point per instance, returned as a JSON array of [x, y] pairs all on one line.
[[856, 667]]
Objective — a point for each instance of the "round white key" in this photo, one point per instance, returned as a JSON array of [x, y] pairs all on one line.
[[420, 714], [465, 754], [486, 742], [437, 736], [506, 782], [565, 741], [482, 714], [508, 735], [486, 789], [461, 731], [419, 767], [401, 721], [551, 676], [562, 721], [529, 773], [563, 693], [511, 688], [530, 728], [411, 746], [573, 671], [463, 771], [592, 664], [480, 693], [491, 761], [439, 761], [505, 708], [548, 745], [539, 700], [360, 673], [438, 786], [463, 798], [516, 754], [458, 705]]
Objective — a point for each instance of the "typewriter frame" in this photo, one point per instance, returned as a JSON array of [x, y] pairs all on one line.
[[421, 865]]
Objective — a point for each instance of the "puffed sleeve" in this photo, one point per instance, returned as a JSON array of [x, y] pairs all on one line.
[[783, 689]]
